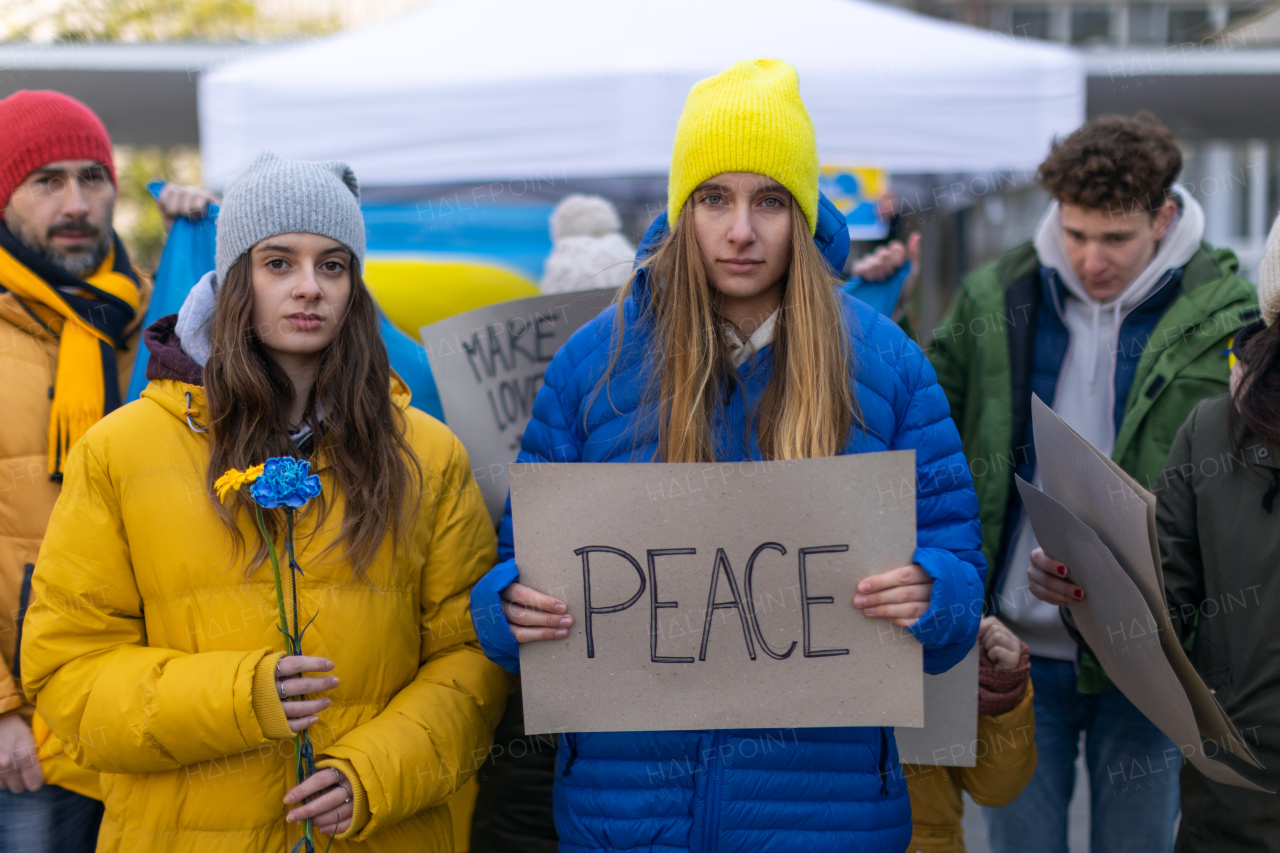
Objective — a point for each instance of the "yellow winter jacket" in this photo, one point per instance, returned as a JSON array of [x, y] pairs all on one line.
[[151, 653], [1006, 760], [28, 365]]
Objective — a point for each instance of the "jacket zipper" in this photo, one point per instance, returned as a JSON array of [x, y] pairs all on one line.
[[711, 803], [571, 738], [884, 762]]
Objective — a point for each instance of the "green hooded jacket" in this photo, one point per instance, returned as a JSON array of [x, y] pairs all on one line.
[[1182, 364]]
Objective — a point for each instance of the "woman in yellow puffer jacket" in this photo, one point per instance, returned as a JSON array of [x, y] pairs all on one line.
[[152, 647]]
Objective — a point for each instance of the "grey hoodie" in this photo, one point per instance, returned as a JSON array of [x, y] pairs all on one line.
[[1086, 393]]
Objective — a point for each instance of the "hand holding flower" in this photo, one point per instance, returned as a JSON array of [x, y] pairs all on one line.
[[330, 808], [301, 713], [285, 482]]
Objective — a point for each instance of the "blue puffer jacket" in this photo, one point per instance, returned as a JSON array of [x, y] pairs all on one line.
[[763, 791]]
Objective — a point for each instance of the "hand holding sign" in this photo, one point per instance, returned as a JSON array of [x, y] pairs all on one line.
[[900, 595], [533, 615], [1046, 581]]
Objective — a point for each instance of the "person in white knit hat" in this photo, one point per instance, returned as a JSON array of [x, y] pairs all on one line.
[[588, 249]]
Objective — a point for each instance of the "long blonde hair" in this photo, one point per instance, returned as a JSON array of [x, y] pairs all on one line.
[[808, 406]]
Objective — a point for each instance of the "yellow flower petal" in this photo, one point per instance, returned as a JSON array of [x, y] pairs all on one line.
[[229, 481]]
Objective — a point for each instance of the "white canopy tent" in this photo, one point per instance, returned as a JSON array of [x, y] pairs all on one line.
[[478, 90]]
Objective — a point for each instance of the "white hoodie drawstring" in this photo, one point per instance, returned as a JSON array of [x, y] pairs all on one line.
[[1094, 345]]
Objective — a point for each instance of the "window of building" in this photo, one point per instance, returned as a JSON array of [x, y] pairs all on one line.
[[1090, 24], [1030, 22], [1148, 23], [1189, 24]]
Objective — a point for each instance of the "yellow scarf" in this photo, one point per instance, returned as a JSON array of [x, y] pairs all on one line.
[[79, 395]]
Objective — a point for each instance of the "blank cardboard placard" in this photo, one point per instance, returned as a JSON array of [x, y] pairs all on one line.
[[717, 595], [1122, 514], [488, 365], [1122, 632], [950, 734]]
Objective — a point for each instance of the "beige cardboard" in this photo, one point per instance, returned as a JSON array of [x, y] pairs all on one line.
[[1119, 627], [488, 365], [1079, 482], [1075, 474], [1122, 514], [950, 732], [862, 504]]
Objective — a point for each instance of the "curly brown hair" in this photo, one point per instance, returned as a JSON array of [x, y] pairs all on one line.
[[1114, 163]]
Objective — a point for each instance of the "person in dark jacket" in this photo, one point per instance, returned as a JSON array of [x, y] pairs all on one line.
[[1117, 316], [1217, 522], [746, 220]]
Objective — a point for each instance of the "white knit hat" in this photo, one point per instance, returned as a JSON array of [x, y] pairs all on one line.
[[588, 249], [1269, 276]]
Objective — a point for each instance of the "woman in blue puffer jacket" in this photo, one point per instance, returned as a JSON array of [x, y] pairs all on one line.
[[732, 343]]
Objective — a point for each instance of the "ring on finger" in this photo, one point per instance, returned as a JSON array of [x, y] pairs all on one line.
[[338, 779]]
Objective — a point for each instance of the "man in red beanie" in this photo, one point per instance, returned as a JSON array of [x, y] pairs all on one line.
[[71, 309]]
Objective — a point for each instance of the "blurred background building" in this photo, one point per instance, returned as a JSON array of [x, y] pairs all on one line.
[[1210, 70]]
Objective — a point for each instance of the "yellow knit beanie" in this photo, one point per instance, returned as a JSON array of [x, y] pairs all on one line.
[[747, 119]]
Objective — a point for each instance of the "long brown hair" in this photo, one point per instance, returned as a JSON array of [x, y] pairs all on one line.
[[359, 431], [1257, 397], [807, 408]]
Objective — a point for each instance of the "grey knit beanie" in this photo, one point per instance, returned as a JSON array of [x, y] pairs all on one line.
[[278, 196]]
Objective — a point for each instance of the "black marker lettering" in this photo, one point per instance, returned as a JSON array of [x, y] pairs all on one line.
[[655, 604], [586, 553], [751, 604], [806, 600], [496, 352], [513, 339], [722, 560], [540, 334]]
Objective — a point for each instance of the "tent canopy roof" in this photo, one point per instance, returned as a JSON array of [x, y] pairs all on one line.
[[476, 90]]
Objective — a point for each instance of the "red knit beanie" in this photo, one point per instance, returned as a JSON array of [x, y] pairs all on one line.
[[39, 127]]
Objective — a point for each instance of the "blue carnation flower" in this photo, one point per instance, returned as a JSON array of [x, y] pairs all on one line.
[[285, 481]]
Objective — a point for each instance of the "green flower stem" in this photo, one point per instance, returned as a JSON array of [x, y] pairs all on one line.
[[275, 570], [290, 642]]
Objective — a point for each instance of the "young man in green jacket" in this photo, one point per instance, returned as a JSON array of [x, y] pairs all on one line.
[[1117, 315]]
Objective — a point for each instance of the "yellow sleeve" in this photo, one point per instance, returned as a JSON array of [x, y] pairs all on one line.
[[10, 692], [1006, 751], [117, 704], [435, 733]]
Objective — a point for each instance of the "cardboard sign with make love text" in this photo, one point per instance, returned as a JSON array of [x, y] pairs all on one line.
[[488, 365], [711, 596]]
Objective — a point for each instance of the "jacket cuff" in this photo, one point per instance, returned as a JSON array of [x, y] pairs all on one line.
[[266, 701], [359, 800], [948, 629], [1000, 690], [490, 623]]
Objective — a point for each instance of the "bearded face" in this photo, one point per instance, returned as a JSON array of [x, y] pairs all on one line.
[[63, 211]]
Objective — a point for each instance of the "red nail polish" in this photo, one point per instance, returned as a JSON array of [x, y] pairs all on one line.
[[1078, 593], [1062, 570]]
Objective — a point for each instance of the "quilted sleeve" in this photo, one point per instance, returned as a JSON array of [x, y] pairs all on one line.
[[554, 434], [948, 535]]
